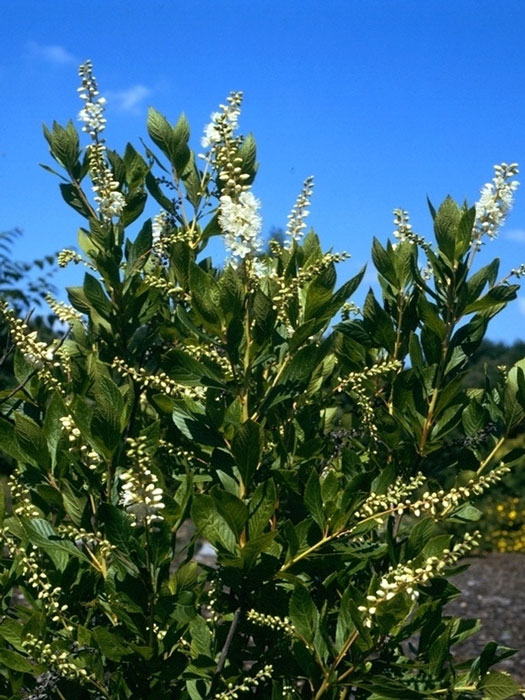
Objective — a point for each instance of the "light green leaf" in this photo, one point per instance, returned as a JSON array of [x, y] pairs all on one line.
[[498, 686]]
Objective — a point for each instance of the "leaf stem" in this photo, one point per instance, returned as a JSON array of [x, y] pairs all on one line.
[[491, 454]]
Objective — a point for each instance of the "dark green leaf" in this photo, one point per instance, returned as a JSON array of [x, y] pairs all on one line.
[[247, 447]]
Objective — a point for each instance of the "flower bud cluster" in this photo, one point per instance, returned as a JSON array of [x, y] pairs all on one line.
[[395, 494], [495, 202], [171, 235], [223, 123], [159, 381], [356, 383], [67, 256], [141, 496], [36, 577], [213, 353], [167, 287], [110, 201], [435, 503], [296, 218], [406, 577], [43, 653], [160, 226], [403, 231], [90, 457], [36, 352], [93, 112], [289, 288], [67, 423], [518, 271], [273, 621], [219, 137], [349, 308], [64, 312], [455, 496], [95, 541], [248, 684], [21, 498]]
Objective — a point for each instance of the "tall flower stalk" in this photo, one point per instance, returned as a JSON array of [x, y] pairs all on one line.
[[109, 200]]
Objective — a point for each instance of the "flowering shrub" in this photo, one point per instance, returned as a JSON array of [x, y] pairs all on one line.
[[190, 402]]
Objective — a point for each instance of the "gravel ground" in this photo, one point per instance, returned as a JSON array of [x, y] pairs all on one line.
[[493, 590]]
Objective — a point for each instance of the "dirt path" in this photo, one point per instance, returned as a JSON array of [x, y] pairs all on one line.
[[493, 590]]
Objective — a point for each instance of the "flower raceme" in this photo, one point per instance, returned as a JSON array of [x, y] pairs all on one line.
[[110, 201], [495, 201], [241, 224]]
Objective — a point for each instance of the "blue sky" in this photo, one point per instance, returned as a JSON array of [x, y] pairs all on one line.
[[383, 102]]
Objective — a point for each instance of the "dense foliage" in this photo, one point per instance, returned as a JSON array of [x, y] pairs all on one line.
[[228, 403]]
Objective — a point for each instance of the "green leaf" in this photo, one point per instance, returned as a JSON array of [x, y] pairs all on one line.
[[464, 232], [232, 509], [206, 297], [200, 637], [513, 410], [135, 204], [116, 526], [78, 299], [261, 507], [74, 504], [384, 265], [41, 534], [171, 140], [72, 197], [94, 293], [467, 512], [248, 155], [312, 499], [15, 661], [303, 613], [212, 524], [8, 443], [247, 447], [32, 441], [195, 428], [494, 298], [110, 644], [64, 144], [446, 227], [498, 686], [2, 503], [319, 292], [106, 421], [420, 534], [254, 547], [378, 323]]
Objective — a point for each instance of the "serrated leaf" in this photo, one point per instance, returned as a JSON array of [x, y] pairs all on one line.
[[446, 224], [303, 613], [212, 524], [72, 197], [312, 499], [110, 644], [261, 507], [498, 686], [247, 447], [96, 296], [105, 424], [15, 661], [232, 509]]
